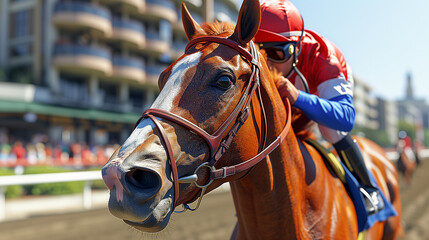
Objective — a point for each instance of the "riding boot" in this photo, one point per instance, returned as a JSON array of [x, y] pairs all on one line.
[[351, 155]]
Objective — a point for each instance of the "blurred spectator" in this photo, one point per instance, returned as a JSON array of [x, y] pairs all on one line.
[[19, 151], [40, 151], [88, 158], [76, 156], [5, 151], [31, 154], [48, 154], [108, 152], [57, 154], [101, 158], [65, 153]]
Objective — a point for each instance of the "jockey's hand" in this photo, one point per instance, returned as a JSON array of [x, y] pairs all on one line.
[[287, 90]]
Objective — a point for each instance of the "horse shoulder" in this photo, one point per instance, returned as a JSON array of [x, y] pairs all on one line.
[[329, 199]]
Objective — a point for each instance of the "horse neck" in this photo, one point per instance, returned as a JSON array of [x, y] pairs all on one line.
[[267, 200]]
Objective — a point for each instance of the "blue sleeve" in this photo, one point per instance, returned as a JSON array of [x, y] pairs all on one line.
[[337, 113]]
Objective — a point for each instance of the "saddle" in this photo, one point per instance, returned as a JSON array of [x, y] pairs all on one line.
[[330, 159], [365, 220]]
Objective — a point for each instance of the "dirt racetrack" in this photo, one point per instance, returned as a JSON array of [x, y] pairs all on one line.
[[214, 220]]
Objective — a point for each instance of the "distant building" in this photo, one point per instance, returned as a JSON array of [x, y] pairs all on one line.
[[414, 110], [409, 94], [365, 104], [84, 70], [388, 118]]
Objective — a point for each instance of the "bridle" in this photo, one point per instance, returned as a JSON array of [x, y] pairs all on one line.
[[217, 143]]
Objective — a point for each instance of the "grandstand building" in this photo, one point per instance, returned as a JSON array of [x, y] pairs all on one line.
[[84, 70]]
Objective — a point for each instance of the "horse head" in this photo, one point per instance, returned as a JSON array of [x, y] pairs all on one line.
[[206, 95], [216, 119]]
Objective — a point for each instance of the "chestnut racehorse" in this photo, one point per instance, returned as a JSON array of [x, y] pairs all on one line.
[[407, 163], [219, 118]]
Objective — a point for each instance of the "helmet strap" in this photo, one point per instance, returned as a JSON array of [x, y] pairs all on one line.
[[295, 59], [298, 44]]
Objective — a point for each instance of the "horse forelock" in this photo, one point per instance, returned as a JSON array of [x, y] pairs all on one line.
[[221, 29]]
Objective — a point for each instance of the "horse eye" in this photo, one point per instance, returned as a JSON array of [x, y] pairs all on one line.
[[224, 82]]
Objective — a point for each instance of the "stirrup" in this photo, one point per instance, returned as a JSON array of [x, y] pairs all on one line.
[[373, 201]]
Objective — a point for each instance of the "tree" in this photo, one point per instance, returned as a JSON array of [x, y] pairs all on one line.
[[378, 136], [409, 128], [2, 77]]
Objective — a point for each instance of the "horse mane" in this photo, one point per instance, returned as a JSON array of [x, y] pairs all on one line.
[[301, 124]]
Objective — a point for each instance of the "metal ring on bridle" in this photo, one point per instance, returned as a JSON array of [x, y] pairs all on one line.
[[206, 164]]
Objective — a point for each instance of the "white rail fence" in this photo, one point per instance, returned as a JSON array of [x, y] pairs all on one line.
[[87, 176], [393, 155]]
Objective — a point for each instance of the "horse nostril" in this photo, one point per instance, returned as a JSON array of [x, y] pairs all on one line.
[[144, 179]]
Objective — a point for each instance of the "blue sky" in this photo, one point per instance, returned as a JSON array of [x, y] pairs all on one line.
[[381, 40]]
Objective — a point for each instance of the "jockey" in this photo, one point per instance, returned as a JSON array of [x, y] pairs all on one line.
[[406, 145], [326, 96], [406, 140]]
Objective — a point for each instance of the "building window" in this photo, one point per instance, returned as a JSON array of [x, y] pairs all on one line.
[[109, 93], [21, 50], [137, 99], [74, 89], [21, 24], [165, 31]]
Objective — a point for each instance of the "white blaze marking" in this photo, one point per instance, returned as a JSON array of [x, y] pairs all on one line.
[[164, 101], [137, 137], [173, 85]]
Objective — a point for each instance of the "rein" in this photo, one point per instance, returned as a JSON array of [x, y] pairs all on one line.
[[217, 143]]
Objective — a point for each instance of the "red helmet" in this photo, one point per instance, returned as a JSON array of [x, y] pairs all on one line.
[[280, 22]]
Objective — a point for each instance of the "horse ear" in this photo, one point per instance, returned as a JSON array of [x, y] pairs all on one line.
[[248, 22], [189, 24]]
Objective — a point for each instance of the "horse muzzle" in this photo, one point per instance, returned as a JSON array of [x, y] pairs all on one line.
[[139, 195]]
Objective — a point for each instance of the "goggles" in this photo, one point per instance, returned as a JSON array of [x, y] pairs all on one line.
[[280, 53]]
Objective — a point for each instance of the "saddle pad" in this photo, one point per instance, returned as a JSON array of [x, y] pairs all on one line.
[[330, 158], [353, 189], [365, 221]]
